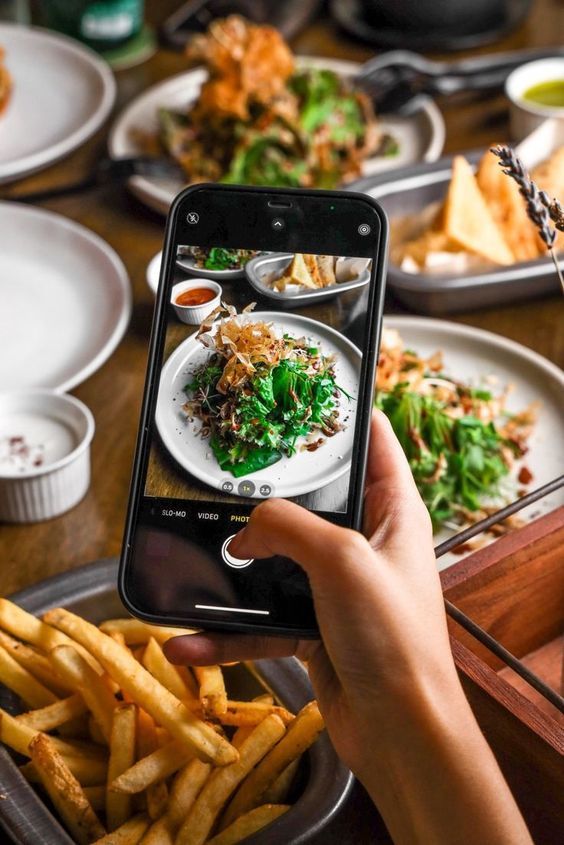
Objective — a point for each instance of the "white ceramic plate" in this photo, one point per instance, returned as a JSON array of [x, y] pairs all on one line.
[[65, 299], [421, 137], [304, 471], [470, 354], [61, 94]]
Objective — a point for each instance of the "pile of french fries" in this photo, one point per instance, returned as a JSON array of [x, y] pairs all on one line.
[[132, 750]]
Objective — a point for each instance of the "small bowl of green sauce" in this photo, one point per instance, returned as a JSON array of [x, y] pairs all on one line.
[[536, 92], [548, 94]]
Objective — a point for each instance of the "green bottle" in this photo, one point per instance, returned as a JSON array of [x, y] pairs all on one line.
[[102, 24]]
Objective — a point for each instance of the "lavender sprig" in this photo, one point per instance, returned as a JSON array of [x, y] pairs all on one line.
[[555, 210], [541, 210]]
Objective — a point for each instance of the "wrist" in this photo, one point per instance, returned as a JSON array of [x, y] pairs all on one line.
[[416, 719]]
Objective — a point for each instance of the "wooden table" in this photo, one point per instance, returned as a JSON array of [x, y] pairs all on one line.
[[94, 528]]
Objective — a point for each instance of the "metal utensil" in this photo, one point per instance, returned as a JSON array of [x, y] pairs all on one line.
[[107, 171], [397, 79]]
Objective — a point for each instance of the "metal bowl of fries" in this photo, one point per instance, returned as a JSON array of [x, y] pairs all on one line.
[[106, 729]]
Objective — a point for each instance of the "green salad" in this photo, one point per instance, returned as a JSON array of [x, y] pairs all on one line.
[[218, 258], [459, 440], [318, 135], [260, 397]]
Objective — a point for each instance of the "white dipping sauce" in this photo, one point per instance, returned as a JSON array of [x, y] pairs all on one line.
[[30, 441]]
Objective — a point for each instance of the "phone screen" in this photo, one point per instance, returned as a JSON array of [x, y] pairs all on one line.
[[261, 355]]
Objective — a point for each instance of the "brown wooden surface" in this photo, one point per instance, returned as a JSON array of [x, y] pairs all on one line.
[[527, 743], [94, 528], [513, 588]]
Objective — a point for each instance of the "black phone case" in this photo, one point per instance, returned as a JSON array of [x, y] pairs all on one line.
[[358, 472]]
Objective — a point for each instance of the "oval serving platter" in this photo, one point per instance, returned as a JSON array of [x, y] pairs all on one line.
[[262, 266]]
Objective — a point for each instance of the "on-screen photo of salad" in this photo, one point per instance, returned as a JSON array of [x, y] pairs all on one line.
[[262, 396], [258, 397]]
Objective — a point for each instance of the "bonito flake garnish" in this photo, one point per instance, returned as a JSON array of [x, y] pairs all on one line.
[[243, 343]]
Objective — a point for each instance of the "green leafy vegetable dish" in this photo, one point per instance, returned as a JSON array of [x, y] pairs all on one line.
[[261, 397], [460, 441], [217, 257], [260, 120]]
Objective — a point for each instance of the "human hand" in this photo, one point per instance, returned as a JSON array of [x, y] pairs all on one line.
[[377, 599], [383, 672]]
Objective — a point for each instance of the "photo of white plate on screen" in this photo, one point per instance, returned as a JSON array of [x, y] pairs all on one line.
[[317, 461]]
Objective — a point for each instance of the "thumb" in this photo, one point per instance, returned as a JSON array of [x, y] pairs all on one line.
[[280, 527]]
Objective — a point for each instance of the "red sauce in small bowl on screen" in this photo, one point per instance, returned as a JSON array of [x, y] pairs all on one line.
[[195, 296]]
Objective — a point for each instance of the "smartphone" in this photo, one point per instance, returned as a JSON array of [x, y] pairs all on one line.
[[269, 395]]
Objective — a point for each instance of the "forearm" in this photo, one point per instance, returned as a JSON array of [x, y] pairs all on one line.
[[435, 780]]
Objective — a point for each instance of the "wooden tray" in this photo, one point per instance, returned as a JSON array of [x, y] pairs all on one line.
[[514, 589]]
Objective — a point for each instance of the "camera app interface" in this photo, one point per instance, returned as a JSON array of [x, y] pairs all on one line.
[[259, 386], [257, 397]]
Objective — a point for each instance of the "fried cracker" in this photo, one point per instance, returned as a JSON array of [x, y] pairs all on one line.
[[468, 220]]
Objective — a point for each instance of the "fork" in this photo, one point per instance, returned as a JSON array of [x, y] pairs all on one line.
[[108, 171]]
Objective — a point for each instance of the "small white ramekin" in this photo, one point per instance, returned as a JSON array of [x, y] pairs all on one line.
[[194, 314], [524, 115], [48, 490]]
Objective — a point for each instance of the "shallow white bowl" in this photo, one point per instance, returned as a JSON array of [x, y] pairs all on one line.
[[45, 491], [153, 271], [524, 115], [194, 314]]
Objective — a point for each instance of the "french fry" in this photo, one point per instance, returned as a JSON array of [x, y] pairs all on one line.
[[249, 823], [147, 742], [92, 687], [95, 732], [65, 791], [22, 682], [122, 756], [54, 715], [212, 692], [18, 736], [152, 768], [35, 663], [241, 713], [185, 789], [167, 710], [156, 663], [159, 833], [222, 782], [87, 772], [241, 735], [163, 736], [130, 833], [301, 733], [277, 793], [118, 637], [136, 632], [243, 732], [27, 627], [96, 796]]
